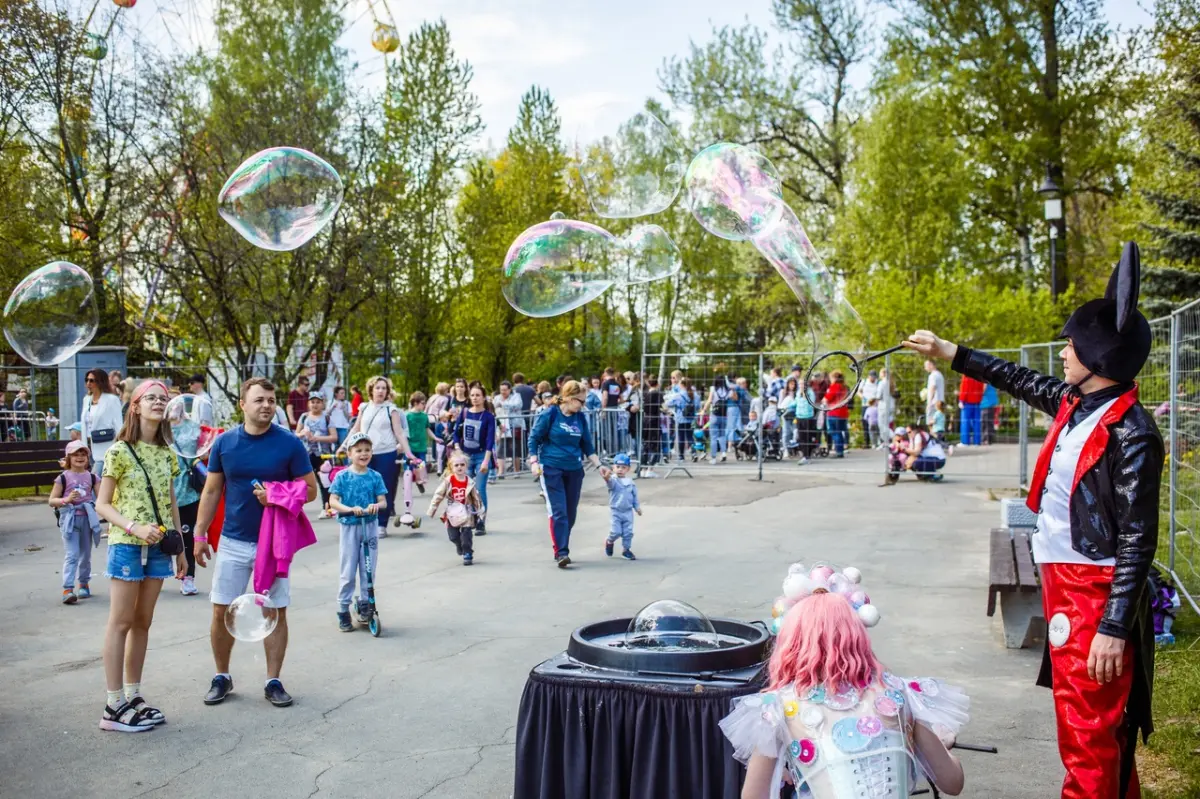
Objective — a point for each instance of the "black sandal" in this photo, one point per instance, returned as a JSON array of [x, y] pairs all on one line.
[[151, 714], [125, 718]]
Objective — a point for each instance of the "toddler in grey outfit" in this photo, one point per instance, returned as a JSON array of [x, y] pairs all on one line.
[[622, 504]]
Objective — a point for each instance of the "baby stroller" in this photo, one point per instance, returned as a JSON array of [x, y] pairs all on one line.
[[772, 440]]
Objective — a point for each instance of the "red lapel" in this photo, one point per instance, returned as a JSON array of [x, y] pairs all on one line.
[[1093, 448], [1034, 500]]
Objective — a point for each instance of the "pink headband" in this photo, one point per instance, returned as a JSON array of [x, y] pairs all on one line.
[[144, 386]]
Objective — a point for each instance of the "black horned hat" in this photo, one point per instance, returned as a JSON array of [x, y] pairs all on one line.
[[1111, 337]]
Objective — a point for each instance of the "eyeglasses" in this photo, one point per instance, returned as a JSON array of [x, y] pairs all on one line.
[[156, 399]]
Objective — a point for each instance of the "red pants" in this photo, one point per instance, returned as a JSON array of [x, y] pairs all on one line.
[[1091, 716]]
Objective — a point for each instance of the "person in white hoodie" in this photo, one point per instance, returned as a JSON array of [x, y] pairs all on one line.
[[100, 416]]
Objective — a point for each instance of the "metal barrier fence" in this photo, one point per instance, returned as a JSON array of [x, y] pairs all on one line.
[[1168, 387]]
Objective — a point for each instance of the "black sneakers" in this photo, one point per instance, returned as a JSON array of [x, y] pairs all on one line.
[[344, 623], [563, 562], [221, 687], [276, 695]]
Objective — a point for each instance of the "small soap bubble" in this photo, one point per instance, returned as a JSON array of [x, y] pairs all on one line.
[[51, 314], [649, 255], [557, 266], [734, 192], [642, 177], [558, 215], [280, 198], [190, 428], [249, 619]]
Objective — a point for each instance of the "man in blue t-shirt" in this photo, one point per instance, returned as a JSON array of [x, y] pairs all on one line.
[[256, 451]]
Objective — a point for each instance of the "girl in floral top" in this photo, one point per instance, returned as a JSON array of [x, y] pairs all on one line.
[[138, 474]]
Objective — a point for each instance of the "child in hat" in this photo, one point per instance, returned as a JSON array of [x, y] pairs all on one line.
[[73, 498], [622, 503], [357, 494]]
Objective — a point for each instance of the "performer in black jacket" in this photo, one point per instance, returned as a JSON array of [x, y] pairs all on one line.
[[1095, 489]]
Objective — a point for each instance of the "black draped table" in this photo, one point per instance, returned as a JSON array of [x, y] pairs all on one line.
[[592, 733]]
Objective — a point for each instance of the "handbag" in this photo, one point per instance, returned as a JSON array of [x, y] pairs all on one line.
[[102, 436], [196, 479], [172, 541]]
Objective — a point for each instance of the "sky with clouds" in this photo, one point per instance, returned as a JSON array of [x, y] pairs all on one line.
[[598, 58]]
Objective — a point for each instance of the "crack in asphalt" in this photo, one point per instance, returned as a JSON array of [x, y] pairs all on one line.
[[344, 702], [192, 767], [470, 768], [317, 779]]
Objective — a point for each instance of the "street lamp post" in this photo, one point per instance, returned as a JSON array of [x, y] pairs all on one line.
[[1054, 215]]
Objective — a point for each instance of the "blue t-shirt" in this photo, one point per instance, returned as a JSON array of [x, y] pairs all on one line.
[[560, 440], [275, 456], [357, 491]]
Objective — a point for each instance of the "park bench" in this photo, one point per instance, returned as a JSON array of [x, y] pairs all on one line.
[[29, 464], [1014, 578]]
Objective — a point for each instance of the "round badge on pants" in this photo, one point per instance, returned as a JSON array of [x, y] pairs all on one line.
[[1059, 629]]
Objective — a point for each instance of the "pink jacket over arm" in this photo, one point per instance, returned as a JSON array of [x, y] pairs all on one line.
[[285, 531]]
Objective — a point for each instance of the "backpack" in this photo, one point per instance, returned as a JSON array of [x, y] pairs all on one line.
[[62, 481], [720, 398]]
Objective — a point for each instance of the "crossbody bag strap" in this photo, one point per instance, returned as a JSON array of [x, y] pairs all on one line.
[[149, 485]]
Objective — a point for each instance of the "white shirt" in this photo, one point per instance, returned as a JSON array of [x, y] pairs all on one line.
[[870, 391], [935, 388], [377, 424], [339, 414], [1052, 537]]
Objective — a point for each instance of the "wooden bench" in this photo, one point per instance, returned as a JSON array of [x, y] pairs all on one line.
[[1015, 579], [30, 464]]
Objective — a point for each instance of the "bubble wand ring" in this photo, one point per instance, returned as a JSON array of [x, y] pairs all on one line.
[[855, 363]]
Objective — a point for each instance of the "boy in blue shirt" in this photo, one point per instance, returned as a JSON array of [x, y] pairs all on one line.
[[357, 494], [622, 503]]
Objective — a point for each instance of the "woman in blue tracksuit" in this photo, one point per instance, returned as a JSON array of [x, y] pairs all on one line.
[[475, 435], [558, 443]]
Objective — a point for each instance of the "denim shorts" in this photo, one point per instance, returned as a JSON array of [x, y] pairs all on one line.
[[125, 563]]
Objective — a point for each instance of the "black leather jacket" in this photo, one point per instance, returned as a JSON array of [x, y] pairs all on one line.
[[1114, 509]]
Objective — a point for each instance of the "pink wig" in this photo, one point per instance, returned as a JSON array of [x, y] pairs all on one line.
[[822, 641]]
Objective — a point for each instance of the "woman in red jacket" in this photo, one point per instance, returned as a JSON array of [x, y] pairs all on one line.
[[837, 421], [970, 393]]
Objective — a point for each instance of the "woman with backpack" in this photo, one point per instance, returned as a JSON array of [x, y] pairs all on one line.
[[137, 497], [717, 406]]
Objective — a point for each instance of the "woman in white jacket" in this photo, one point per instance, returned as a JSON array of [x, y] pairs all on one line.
[[100, 415]]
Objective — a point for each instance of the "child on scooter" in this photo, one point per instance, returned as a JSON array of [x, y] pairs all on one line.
[[463, 502], [356, 495]]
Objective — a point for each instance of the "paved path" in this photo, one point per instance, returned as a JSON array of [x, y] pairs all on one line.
[[429, 710]]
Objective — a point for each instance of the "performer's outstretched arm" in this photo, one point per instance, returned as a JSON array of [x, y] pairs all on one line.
[[1041, 391]]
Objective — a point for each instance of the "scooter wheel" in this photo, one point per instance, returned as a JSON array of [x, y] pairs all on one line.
[[374, 626], [416, 525]]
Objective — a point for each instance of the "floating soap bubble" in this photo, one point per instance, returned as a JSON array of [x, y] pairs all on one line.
[[671, 625], [649, 255], [557, 266], [644, 174], [95, 47], [280, 198], [385, 39], [558, 215], [787, 247], [734, 192], [249, 619], [51, 314], [190, 428]]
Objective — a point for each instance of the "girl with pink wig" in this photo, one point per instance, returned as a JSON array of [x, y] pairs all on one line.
[[840, 723]]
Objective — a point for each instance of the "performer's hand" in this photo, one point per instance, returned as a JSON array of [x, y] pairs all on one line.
[[929, 345], [1105, 661]]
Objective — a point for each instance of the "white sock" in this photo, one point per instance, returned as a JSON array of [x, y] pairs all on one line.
[[132, 689], [115, 699]]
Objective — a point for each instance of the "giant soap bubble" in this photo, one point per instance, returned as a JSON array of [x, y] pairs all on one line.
[[280, 198], [642, 177], [557, 266], [250, 618], [51, 314], [190, 428], [649, 254], [734, 192]]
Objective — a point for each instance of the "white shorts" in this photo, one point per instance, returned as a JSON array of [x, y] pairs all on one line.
[[233, 565]]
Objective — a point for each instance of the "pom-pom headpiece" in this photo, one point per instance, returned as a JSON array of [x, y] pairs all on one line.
[[822, 578]]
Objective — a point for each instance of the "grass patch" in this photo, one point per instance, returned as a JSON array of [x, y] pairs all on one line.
[[1169, 766], [24, 493]]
